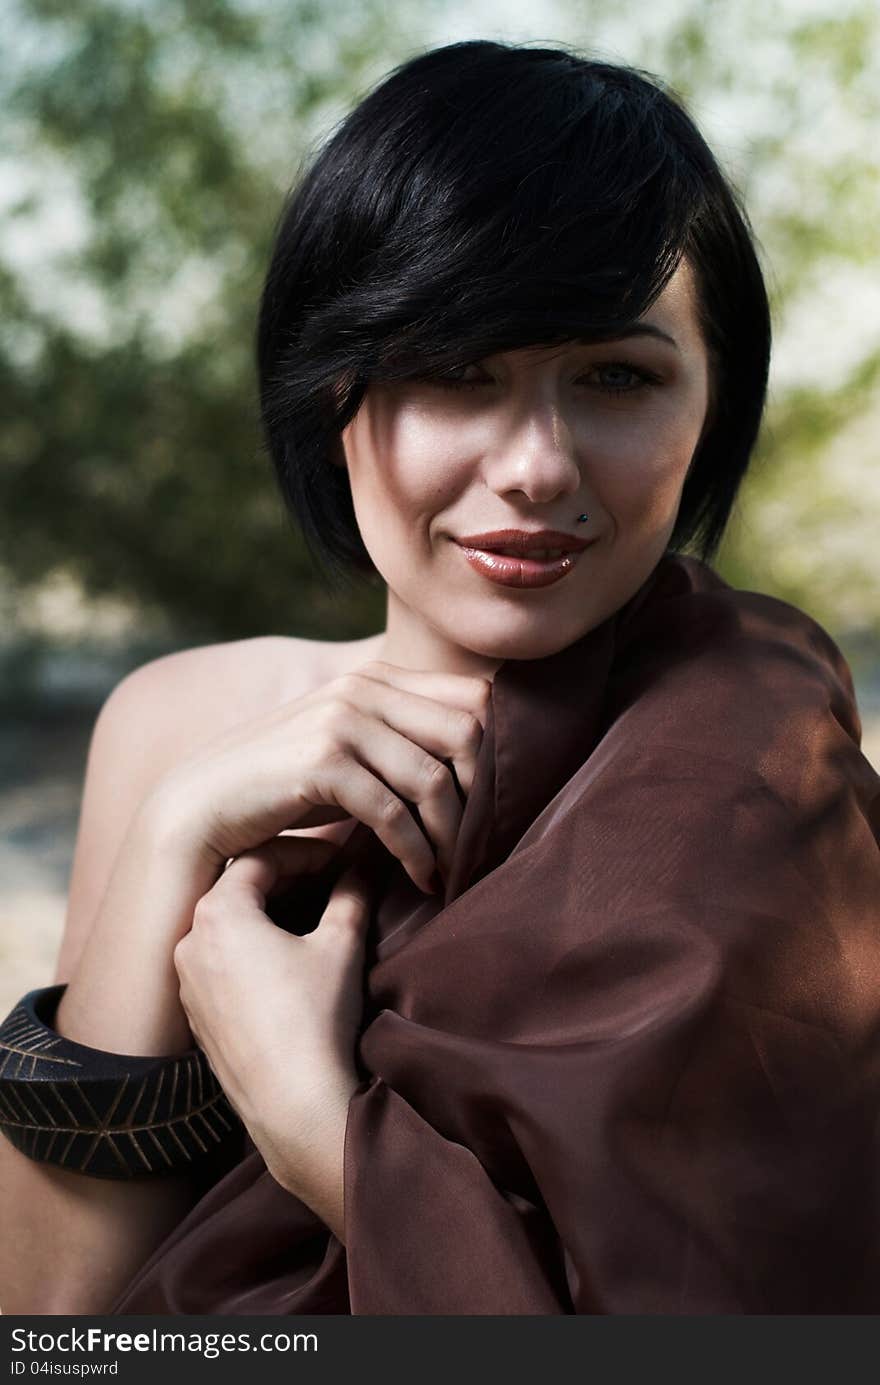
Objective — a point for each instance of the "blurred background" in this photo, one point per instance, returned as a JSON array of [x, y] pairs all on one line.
[[146, 147]]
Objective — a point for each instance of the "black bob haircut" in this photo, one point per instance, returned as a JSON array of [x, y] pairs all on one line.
[[487, 196]]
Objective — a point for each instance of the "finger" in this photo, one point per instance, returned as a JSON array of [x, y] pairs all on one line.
[[452, 729], [423, 783], [252, 875], [468, 692], [465, 691], [367, 797], [348, 908]]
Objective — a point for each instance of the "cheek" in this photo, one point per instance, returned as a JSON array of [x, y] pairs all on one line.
[[406, 465], [423, 467], [639, 463]]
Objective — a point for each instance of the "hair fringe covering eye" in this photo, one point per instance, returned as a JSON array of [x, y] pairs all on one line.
[[487, 196]]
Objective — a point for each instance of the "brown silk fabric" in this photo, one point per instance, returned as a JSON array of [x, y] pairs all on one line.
[[630, 1064]]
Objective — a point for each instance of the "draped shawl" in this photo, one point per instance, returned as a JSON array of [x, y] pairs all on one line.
[[629, 1061]]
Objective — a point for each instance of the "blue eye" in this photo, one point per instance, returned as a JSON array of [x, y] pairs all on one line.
[[644, 377], [451, 379]]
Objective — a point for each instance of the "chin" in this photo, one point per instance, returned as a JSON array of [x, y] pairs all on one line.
[[537, 643]]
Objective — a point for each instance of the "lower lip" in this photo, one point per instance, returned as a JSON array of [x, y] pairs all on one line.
[[520, 572]]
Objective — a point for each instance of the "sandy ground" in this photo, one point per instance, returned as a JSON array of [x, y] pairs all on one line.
[[42, 762]]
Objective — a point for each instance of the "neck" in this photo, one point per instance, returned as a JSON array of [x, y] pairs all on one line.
[[409, 641]]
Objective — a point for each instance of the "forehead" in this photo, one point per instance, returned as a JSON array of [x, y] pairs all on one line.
[[678, 301]]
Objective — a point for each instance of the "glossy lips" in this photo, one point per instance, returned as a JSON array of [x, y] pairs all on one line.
[[522, 570], [524, 539]]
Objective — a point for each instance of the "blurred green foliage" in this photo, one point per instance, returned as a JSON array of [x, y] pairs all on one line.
[[170, 130], [788, 97], [131, 455]]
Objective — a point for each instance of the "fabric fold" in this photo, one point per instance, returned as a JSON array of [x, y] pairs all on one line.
[[630, 1062], [498, 1252]]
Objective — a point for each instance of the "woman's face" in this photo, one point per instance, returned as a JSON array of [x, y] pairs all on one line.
[[528, 439]]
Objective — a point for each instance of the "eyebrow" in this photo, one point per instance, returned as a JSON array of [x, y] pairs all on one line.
[[639, 329]]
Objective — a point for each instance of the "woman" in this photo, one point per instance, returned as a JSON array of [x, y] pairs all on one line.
[[581, 1016]]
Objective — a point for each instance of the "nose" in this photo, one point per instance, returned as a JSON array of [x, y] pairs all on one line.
[[535, 454]]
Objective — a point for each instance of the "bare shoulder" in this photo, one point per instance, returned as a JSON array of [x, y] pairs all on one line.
[[224, 684], [163, 711], [262, 672], [301, 665], [211, 687]]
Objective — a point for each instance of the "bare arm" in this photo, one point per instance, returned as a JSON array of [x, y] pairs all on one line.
[[71, 1242], [312, 761]]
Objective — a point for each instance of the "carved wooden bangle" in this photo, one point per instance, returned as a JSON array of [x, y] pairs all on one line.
[[108, 1115]]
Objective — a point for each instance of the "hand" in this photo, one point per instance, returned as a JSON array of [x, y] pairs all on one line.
[[277, 1015], [367, 745]]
